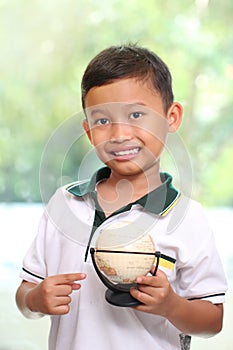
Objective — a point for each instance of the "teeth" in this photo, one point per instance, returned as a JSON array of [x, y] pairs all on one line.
[[127, 152]]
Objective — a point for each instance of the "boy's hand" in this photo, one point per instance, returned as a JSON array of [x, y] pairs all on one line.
[[155, 294], [52, 296], [157, 297]]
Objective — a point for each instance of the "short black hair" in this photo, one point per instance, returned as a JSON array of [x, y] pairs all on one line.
[[128, 61]]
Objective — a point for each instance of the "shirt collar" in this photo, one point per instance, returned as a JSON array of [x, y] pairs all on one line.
[[159, 201]]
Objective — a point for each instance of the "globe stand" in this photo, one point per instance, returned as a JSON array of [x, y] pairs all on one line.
[[119, 294], [123, 299]]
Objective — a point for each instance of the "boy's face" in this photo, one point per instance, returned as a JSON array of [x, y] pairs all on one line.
[[127, 125]]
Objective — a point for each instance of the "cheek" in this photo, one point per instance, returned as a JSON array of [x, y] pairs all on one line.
[[95, 137], [99, 135], [153, 138], [154, 145], [159, 131], [99, 144], [155, 129]]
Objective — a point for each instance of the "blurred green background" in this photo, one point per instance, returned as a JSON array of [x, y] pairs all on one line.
[[45, 47]]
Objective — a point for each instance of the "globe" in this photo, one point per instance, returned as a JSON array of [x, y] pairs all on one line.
[[123, 252]]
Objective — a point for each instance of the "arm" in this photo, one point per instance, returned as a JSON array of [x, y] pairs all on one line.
[[190, 317], [51, 297]]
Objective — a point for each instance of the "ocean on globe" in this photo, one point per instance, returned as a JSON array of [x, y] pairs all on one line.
[[119, 261]]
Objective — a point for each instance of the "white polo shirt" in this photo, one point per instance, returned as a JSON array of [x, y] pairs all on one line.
[[179, 230]]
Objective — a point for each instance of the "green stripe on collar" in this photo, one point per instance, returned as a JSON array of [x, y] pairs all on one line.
[[81, 188], [159, 201]]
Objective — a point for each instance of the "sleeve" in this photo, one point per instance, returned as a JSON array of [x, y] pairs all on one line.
[[200, 271], [34, 266], [35, 263]]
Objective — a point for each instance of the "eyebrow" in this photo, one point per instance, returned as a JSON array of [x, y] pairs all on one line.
[[124, 104], [91, 111], [135, 104]]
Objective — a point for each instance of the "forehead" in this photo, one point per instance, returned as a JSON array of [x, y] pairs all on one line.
[[130, 91]]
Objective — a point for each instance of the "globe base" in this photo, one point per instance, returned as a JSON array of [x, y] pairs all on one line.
[[123, 299]]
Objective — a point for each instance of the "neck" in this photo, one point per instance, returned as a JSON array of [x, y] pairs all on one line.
[[138, 185], [117, 191]]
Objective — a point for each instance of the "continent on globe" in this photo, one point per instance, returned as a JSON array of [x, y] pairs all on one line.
[[132, 256], [108, 270]]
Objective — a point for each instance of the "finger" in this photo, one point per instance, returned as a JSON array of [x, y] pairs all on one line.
[[61, 310], [66, 289], [64, 300], [140, 296], [147, 289], [68, 278], [155, 281], [63, 290], [58, 305], [147, 280], [76, 286]]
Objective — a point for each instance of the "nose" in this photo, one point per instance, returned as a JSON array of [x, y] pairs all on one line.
[[121, 132]]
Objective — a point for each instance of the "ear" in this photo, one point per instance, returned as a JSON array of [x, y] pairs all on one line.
[[87, 129], [174, 117]]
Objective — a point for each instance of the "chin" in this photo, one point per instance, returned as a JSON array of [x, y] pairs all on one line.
[[125, 168]]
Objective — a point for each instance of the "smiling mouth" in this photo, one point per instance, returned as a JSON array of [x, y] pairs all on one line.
[[128, 152]]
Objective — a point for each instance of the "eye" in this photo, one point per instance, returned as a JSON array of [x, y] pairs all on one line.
[[135, 115], [102, 121]]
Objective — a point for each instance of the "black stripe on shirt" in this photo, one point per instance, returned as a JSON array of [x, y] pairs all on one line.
[[208, 296], [33, 274]]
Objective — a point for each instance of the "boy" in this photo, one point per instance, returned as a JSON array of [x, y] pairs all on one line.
[[128, 101]]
